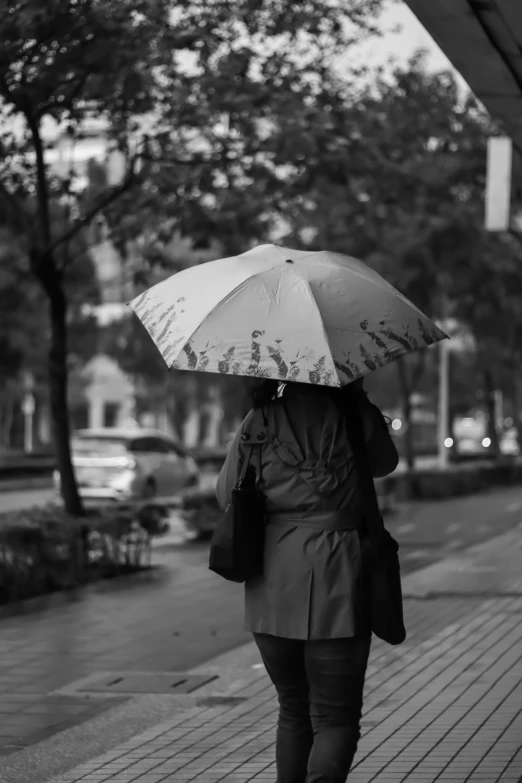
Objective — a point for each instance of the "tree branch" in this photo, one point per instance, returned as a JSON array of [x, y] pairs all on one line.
[[89, 216]]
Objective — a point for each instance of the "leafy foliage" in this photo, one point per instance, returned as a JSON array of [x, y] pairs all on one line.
[[47, 550], [399, 180], [24, 329], [228, 122], [164, 78]]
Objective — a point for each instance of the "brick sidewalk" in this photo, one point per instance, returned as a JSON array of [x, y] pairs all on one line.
[[446, 706]]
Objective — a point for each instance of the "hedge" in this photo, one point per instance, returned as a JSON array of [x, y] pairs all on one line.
[[43, 550], [456, 480], [201, 512]]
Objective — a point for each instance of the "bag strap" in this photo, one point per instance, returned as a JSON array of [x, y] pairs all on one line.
[[254, 436], [357, 441], [246, 464]]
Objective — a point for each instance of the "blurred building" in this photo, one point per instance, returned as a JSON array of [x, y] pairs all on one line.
[[109, 394]]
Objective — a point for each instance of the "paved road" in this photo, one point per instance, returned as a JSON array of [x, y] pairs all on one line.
[[26, 498], [427, 531], [177, 617]]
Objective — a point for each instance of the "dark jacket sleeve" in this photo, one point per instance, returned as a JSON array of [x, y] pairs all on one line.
[[381, 448]]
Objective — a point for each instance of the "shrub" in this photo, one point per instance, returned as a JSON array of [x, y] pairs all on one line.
[[457, 480], [44, 549]]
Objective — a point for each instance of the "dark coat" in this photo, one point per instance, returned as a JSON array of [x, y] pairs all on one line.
[[312, 584]]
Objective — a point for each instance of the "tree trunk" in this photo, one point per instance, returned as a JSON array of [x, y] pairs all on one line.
[[489, 397], [52, 283], [58, 377], [43, 265]]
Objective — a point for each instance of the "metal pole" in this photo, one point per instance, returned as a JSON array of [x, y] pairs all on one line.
[[28, 406], [28, 411], [443, 412], [28, 433], [499, 410]]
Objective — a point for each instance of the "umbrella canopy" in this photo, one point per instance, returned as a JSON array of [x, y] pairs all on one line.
[[274, 312]]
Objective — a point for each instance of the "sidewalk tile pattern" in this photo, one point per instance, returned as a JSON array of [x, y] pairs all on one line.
[[445, 706]]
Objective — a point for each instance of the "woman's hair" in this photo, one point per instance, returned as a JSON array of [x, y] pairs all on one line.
[[268, 390], [348, 398], [263, 393]]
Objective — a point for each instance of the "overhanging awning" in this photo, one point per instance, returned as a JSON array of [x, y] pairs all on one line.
[[483, 40]]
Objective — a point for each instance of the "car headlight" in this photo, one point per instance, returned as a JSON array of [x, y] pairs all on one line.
[[126, 463], [125, 475]]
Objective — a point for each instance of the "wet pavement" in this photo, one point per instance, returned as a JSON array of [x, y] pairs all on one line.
[[28, 718], [174, 618], [444, 706], [164, 620]]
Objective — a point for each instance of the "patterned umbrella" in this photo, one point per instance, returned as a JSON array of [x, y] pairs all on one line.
[[274, 312]]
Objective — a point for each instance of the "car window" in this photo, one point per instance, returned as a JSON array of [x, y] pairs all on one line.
[[159, 446], [141, 446], [176, 449], [86, 444], [149, 445]]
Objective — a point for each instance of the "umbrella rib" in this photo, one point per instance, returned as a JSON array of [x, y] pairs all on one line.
[[323, 327], [381, 281], [215, 307]]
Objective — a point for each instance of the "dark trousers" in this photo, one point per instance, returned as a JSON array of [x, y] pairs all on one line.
[[320, 689]]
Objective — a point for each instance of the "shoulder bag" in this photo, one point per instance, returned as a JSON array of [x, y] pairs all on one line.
[[237, 546], [380, 550]]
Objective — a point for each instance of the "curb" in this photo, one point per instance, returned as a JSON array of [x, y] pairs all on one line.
[[148, 715]]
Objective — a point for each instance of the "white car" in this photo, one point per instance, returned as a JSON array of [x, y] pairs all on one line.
[[127, 465]]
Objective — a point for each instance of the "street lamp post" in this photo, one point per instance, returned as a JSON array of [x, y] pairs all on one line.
[[28, 406], [443, 406], [499, 214], [443, 412]]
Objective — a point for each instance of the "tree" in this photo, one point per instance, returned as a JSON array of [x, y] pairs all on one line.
[[64, 62], [177, 394], [395, 178], [70, 60], [24, 324], [21, 323], [488, 297]]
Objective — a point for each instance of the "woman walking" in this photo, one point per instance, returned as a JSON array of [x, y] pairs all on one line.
[[308, 610]]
